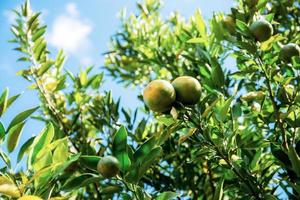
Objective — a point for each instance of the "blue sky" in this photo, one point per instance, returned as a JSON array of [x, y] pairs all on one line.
[[82, 29]]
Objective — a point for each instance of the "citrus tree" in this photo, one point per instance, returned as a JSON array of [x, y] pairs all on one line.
[[207, 132]]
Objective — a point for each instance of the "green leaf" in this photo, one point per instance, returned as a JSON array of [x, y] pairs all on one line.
[[200, 23], [11, 100], [167, 196], [5, 158], [255, 160], [269, 17], [21, 117], [80, 181], [61, 168], [144, 150], [44, 161], [295, 160], [126, 196], [90, 162], [43, 139], [39, 50], [83, 77], [61, 153], [25, 147], [13, 136], [3, 101], [197, 40], [44, 68], [50, 147], [32, 20], [38, 33], [219, 191], [120, 148], [2, 131], [217, 74], [167, 121], [224, 109], [242, 27], [149, 160], [111, 189]]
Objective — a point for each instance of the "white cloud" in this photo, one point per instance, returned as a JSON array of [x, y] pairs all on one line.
[[71, 32]]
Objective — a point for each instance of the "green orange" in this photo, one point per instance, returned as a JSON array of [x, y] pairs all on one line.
[[108, 166], [188, 90], [261, 29], [251, 3], [159, 95], [229, 24], [288, 51]]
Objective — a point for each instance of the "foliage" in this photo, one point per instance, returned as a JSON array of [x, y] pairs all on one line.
[[241, 140]]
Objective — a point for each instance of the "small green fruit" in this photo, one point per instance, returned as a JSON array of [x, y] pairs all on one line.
[[262, 30], [288, 51], [108, 166], [188, 90], [229, 24], [251, 3], [159, 95]]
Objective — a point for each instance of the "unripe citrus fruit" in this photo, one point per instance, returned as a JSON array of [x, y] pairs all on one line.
[[30, 197], [229, 24], [188, 90], [108, 166], [261, 29], [288, 51], [159, 95], [251, 3]]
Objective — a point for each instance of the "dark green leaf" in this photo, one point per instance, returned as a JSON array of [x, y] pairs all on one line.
[[5, 158], [149, 160], [217, 74], [2, 131], [111, 189], [3, 101], [295, 160], [13, 136], [167, 196], [32, 20], [90, 161], [25, 147], [144, 150], [120, 148], [21, 117], [219, 191], [80, 181], [11, 100]]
